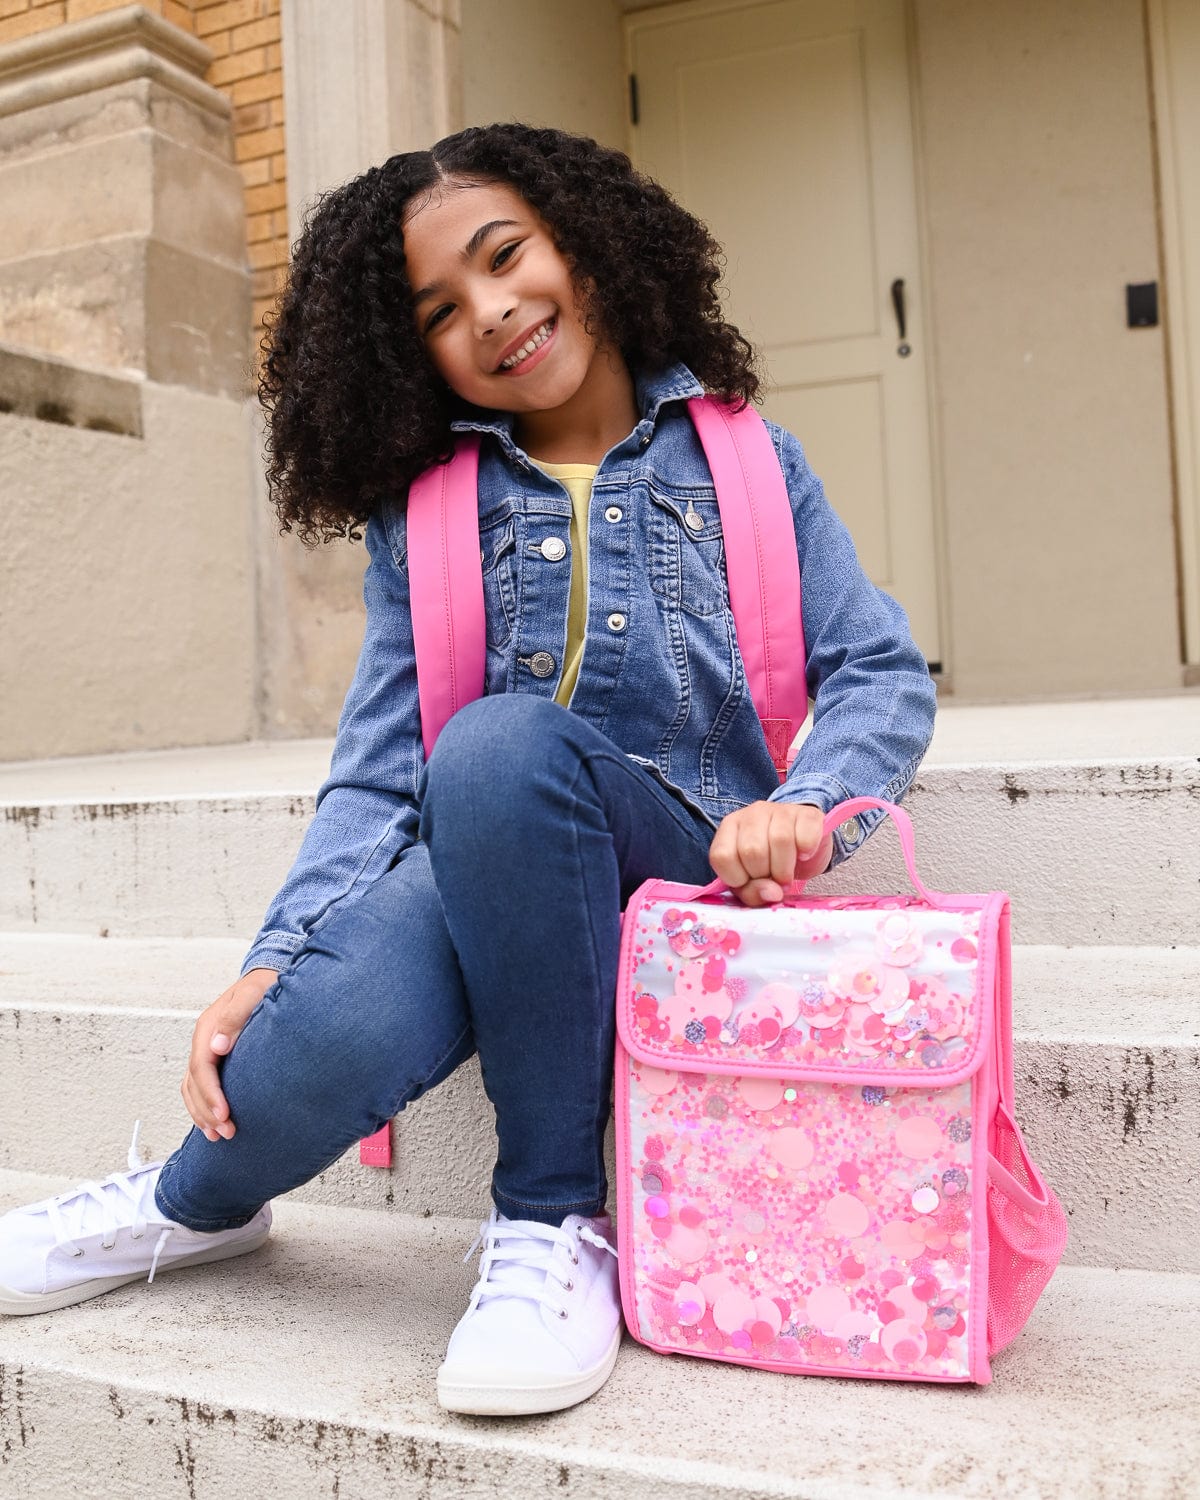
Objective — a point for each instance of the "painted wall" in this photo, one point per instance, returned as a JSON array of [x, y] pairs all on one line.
[[1037, 153], [545, 62]]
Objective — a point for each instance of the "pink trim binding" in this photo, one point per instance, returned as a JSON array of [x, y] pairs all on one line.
[[983, 1107], [764, 576]]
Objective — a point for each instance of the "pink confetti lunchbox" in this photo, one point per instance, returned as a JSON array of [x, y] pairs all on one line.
[[819, 1168]]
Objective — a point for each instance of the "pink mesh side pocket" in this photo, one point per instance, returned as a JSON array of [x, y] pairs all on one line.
[[1027, 1231]]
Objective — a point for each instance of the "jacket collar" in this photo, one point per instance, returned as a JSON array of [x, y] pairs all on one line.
[[652, 391]]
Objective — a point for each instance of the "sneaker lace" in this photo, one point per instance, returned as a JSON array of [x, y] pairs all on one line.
[[519, 1260], [73, 1214]]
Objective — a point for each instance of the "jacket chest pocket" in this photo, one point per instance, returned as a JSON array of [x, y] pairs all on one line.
[[498, 550], [687, 554]]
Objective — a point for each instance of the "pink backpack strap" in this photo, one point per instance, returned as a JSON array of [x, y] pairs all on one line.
[[449, 627], [762, 565], [446, 588]]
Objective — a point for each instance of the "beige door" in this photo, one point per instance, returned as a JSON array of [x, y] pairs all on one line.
[[1175, 51], [786, 127]]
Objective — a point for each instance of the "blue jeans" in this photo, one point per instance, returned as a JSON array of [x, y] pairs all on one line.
[[497, 931]]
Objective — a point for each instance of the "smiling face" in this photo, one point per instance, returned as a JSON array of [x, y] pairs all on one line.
[[496, 306]]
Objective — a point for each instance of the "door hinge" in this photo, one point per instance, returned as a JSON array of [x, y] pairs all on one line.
[[634, 112]]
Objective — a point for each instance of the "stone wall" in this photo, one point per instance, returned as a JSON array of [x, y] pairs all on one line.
[[243, 37], [127, 600]]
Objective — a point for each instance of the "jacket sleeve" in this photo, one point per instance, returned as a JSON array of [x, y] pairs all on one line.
[[873, 698], [367, 808]]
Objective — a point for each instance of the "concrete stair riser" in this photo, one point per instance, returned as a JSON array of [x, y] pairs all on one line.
[[1099, 854], [308, 1369], [1110, 1104], [202, 866]]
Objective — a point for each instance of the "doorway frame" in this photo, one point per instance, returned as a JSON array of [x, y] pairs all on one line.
[[1183, 379]]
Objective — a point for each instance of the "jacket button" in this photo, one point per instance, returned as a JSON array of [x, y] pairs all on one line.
[[851, 830], [613, 513], [616, 622], [541, 664], [554, 549]]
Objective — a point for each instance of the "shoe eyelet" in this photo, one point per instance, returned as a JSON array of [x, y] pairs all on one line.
[[103, 1246], [563, 1313], [75, 1254], [568, 1286], [141, 1236], [574, 1259]]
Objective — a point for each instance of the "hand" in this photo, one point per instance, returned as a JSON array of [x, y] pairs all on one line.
[[762, 848], [216, 1031]]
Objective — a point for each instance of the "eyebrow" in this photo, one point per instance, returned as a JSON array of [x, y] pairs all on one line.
[[469, 250]]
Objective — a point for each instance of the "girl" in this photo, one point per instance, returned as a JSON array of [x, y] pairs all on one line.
[[528, 286]]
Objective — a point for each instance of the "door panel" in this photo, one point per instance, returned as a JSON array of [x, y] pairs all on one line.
[[786, 127]]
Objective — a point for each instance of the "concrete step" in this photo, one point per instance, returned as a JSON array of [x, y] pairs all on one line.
[[95, 1033], [308, 1369], [1089, 814]]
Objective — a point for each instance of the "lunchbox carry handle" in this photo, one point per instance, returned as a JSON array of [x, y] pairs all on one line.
[[841, 814]]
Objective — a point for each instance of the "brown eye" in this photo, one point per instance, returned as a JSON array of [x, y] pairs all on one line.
[[504, 254], [439, 315]]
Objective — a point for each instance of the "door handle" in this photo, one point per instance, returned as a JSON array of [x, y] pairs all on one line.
[[903, 348]]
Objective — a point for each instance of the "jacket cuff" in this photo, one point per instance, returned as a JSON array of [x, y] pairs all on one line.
[[273, 950]]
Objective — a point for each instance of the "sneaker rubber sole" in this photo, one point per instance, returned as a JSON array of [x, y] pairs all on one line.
[[20, 1304], [520, 1393]]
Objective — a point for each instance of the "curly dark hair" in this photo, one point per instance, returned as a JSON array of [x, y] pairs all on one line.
[[355, 410]]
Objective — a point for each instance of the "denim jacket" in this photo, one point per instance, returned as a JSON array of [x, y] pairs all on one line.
[[661, 676]]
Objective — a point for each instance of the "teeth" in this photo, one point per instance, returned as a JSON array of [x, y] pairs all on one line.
[[535, 341]]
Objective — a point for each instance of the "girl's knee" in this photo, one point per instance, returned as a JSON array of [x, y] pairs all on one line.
[[497, 749]]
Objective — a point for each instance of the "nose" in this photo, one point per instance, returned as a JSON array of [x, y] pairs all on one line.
[[491, 315]]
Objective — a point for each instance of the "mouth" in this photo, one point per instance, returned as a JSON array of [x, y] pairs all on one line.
[[528, 351]]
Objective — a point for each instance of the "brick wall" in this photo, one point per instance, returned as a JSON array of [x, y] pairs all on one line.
[[247, 66]]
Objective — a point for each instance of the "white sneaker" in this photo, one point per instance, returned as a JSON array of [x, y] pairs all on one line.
[[543, 1325], [102, 1235]]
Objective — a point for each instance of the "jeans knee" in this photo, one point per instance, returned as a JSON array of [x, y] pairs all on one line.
[[497, 755]]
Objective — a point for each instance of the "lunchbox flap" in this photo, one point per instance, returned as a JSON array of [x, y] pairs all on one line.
[[879, 990]]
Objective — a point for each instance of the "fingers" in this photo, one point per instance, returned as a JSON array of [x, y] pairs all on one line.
[[816, 863], [204, 1101], [198, 1109], [212, 1038], [752, 844], [762, 848], [724, 857], [759, 893]]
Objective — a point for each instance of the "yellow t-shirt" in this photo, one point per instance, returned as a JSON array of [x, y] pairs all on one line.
[[576, 479]]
